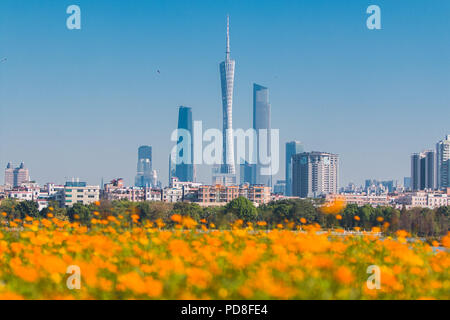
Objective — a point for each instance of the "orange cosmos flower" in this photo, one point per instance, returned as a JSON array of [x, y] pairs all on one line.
[[334, 206], [344, 275]]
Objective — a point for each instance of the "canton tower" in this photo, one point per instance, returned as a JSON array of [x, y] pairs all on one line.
[[227, 81]]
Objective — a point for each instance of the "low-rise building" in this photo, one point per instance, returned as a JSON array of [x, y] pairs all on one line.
[[431, 200], [362, 199], [258, 194], [80, 192]]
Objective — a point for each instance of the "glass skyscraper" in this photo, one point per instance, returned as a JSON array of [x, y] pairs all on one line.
[[184, 169], [292, 148], [443, 163], [144, 167], [261, 121], [227, 83]]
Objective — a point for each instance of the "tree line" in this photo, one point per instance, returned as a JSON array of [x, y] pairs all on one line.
[[418, 221]]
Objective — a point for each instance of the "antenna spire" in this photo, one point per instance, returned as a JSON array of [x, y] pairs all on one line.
[[228, 37]]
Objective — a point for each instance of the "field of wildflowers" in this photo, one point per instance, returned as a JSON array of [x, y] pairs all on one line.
[[125, 258]]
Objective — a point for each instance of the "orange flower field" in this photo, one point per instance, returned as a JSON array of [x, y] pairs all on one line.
[[121, 258]]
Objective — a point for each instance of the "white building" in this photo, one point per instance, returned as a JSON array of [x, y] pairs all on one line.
[[79, 192], [314, 174], [431, 200]]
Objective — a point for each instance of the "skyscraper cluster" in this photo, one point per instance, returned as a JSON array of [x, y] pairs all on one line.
[[430, 169]]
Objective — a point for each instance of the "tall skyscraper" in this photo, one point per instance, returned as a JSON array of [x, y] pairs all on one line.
[[184, 169], [261, 121], [246, 173], [292, 147], [144, 167], [443, 163], [227, 83], [14, 177], [171, 168], [423, 170], [314, 174]]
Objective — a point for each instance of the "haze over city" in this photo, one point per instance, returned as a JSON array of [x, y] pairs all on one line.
[[80, 103]]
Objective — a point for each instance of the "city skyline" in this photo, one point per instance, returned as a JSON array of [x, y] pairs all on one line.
[[385, 148]]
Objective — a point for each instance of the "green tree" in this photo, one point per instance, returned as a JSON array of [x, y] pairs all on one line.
[[83, 212], [26, 208], [243, 209]]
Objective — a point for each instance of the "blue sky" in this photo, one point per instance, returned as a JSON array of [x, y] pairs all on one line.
[[78, 103]]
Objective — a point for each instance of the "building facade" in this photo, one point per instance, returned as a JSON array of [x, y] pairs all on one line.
[[184, 168], [144, 167], [80, 192], [292, 148], [443, 163], [261, 121], [423, 170], [314, 174], [219, 194], [14, 177]]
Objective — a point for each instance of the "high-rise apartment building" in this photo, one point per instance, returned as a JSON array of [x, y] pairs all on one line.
[[423, 170], [314, 174], [9, 175], [184, 168], [443, 163], [144, 167], [261, 125], [14, 177], [227, 84], [292, 148]]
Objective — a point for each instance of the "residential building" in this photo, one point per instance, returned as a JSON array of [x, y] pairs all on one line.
[[431, 200], [14, 177], [258, 194], [80, 192], [362, 199], [314, 174]]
